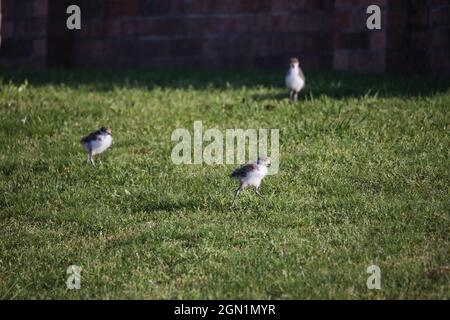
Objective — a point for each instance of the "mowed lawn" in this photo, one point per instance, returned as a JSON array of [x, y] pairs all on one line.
[[364, 180]]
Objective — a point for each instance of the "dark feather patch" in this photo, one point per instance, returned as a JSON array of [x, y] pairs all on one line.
[[300, 73], [91, 137], [244, 170]]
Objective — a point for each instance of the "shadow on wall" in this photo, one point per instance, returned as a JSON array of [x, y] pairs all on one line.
[[332, 84]]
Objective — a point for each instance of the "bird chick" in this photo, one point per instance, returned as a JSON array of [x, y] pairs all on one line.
[[251, 175], [295, 79], [97, 142]]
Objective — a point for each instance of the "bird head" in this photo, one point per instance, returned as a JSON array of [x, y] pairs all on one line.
[[294, 62], [265, 161], [106, 130]]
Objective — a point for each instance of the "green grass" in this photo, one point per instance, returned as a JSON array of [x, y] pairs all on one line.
[[364, 179]]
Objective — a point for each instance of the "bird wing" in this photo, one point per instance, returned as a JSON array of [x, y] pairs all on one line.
[[300, 73], [91, 136], [244, 170]]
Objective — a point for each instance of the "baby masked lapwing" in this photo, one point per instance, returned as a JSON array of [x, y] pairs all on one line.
[[97, 142]]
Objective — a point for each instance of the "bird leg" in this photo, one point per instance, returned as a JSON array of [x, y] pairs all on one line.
[[91, 158], [291, 94], [238, 190], [259, 194], [295, 96]]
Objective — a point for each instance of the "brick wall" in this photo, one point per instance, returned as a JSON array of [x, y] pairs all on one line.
[[324, 34], [205, 33], [419, 35], [356, 48], [439, 35], [23, 33], [0, 23]]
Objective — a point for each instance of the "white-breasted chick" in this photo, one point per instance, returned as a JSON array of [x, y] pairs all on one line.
[[97, 142], [295, 79], [251, 175]]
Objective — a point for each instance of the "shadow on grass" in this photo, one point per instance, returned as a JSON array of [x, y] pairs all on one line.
[[167, 206], [270, 96], [171, 206], [337, 85], [146, 203]]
